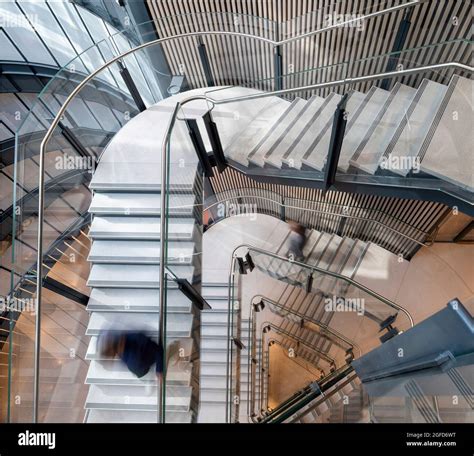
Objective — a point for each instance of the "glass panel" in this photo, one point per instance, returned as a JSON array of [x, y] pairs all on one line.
[[394, 131]]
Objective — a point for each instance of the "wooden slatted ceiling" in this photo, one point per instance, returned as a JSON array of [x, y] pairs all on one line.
[[241, 61]]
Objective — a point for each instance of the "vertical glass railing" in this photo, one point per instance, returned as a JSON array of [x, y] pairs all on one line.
[[182, 225], [93, 117]]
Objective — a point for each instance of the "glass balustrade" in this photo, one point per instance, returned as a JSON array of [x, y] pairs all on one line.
[[107, 103], [394, 125]]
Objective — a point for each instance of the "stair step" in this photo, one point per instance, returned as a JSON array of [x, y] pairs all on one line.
[[248, 138], [316, 157], [133, 176], [136, 204], [139, 252], [406, 143], [370, 151], [106, 397], [140, 228], [305, 144], [136, 300], [359, 123], [178, 325], [283, 146], [132, 276], [278, 128], [115, 372], [136, 416], [447, 150]]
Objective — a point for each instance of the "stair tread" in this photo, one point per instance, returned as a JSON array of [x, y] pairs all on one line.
[[277, 128], [142, 176], [308, 141], [316, 157], [359, 123], [247, 139], [132, 276], [138, 416], [452, 139], [117, 227], [107, 203], [136, 397], [133, 299], [370, 151], [177, 324], [115, 372], [415, 127], [139, 252], [284, 144]]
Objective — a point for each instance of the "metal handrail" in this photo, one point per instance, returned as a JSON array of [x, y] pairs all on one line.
[[336, 275], [316, 211], [321, 325], [346, 81], [330, 381], [86, 80]]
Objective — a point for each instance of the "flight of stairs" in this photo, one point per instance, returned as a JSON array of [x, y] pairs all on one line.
[[390, 133], [124, 276], [213, 356], [342, 403]]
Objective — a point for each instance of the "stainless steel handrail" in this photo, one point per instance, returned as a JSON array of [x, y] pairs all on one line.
[[336, 275], [351, 21], [353, 217], [87, 79], [346, 81], [323, 326]]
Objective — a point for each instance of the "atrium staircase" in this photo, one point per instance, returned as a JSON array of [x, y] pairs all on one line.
[[404, 132], [124, 277], [298, 318]]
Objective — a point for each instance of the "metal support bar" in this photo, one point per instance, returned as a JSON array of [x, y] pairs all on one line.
[[66, 291], [215, 140], [199, 147], [132, 88], [73, 140], [397, 47], [335, 145], [206, 66], [278, 64]]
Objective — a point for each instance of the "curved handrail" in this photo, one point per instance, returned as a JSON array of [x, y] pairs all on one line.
[[336, 275], [316, 211], [323, 326], [348, 81]]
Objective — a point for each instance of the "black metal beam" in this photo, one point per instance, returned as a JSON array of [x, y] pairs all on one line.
[[398, 45], [335, 145], [206, 66], [199, 147], [415, 190], [217, 150], [64, 290], [278, 65], [73, 140], [132, 88]]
